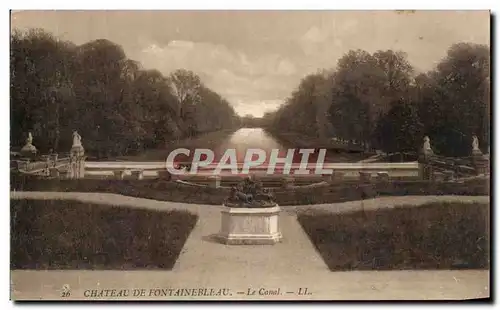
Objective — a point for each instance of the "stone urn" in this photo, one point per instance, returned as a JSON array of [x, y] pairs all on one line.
[[250, 216]]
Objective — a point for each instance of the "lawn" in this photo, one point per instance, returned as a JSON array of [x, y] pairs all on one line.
[[49, 234], [431, 236]]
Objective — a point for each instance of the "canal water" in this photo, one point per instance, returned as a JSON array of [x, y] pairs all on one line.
[[245, 139], [240, 140]]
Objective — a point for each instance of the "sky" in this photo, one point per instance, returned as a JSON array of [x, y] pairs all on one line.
[[255, 59]]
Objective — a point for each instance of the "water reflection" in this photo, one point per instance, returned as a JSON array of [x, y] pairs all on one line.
[[249, 138], [245, 139]]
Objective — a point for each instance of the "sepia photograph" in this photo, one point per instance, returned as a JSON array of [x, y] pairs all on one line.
[[250, 155]]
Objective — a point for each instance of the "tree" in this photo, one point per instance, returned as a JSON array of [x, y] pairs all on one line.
[[118, 107], [455, 100], [41, 85], [356, 92], [400, 130]]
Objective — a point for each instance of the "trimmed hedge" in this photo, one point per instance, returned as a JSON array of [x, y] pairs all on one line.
[[431, 236], [176, 192], [49, 234]]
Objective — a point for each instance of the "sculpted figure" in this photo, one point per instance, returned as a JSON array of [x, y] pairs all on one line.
[[475, 143], [427, 144], [250, 194], [77, 139], [29, 140], [29, 150]]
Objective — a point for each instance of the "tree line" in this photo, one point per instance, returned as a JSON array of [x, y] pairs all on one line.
[[381, 102], [117, 106]]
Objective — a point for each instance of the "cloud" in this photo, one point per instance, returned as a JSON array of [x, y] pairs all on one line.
[[256, 56], [233, 74], [424, 36]]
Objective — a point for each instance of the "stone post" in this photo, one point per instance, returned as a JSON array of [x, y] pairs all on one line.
[[214, 181], [48, 164], [77, 166], [54, 158], [426, 171]]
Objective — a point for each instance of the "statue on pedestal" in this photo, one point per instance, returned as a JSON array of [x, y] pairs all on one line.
[[30, 139], [77, 166], [475, 146], [250, 194], [29, 149], [426, 149], [77, 147], [424, 159]]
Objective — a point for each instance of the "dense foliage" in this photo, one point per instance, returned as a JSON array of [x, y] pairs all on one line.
[[379, 101], [116, 106]]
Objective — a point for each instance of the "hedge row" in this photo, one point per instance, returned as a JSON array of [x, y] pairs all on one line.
[[176, 192]]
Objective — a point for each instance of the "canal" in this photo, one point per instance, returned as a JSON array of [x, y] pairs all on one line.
[[240, 140]]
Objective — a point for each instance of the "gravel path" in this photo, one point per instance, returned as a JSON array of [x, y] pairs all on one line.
[[287, 266], [133, 202]]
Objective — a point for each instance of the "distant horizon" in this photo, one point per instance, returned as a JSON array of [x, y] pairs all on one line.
[[256, 60]]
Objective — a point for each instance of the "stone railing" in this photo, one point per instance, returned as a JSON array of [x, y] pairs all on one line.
[[341, 171], [438, 168]]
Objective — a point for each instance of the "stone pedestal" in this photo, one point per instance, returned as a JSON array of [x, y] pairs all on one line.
[[77, 167], [425, 168], [481, 164], [250, 226], [28, 151], [137, 174], [77, 162]]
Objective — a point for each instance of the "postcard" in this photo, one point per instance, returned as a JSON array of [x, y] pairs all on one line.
[[250, 155]]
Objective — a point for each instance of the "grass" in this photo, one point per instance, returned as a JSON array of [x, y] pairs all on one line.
[[50, 234], [431, 236]]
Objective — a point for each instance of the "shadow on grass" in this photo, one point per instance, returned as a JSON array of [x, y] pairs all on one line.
[[48, 234], [431, 236]]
